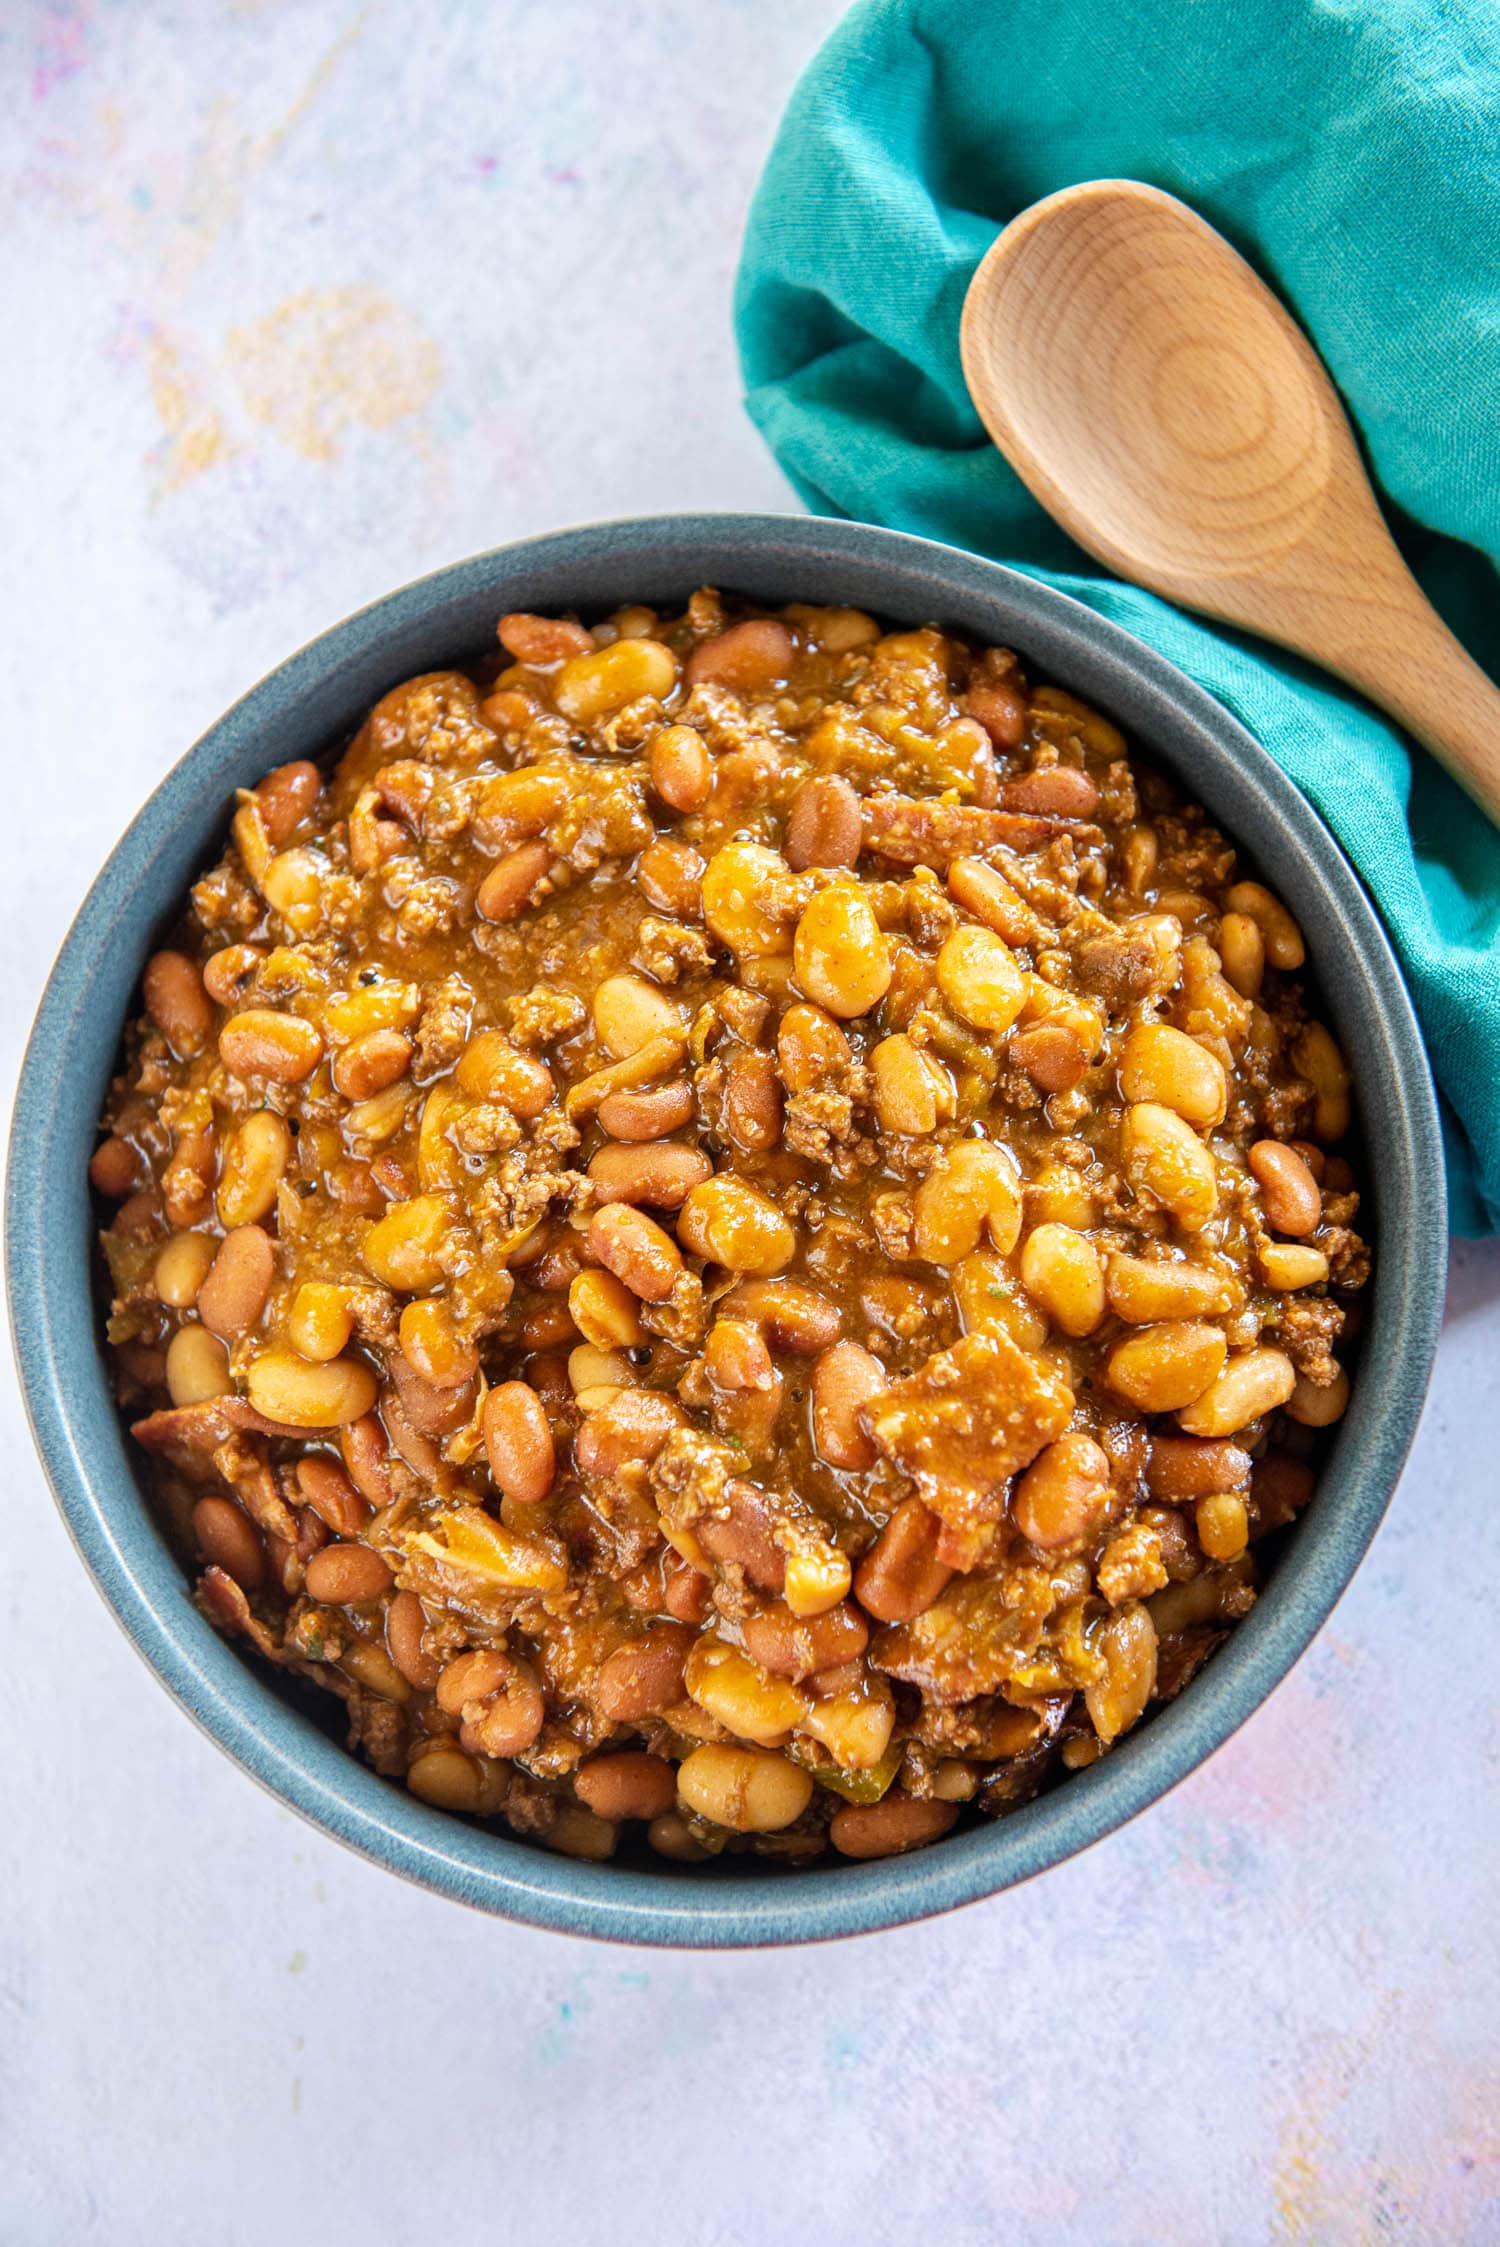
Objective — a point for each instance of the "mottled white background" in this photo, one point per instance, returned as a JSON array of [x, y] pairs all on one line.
[[298, 300]]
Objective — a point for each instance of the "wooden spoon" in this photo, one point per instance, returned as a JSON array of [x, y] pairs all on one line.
[[1156, 398]]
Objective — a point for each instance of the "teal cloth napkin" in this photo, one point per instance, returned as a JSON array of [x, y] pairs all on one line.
[[1351, 150]]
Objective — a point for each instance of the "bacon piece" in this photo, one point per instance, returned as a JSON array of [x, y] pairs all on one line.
[[242, 1461], [188, 1435], [225, 1604], [913, 831], [969, 1419]]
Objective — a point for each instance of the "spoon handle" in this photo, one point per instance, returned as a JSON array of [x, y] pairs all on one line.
[[1409, 663]]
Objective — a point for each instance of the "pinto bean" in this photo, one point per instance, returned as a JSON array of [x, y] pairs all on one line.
[[509, 1718], [139, 1217], [405, 1625], [347, 1576], [432, 1408], [114, 1169], [627, 1786], [644, 1677], [1050, 1054], [285, 797], [227, 1539], [541, 641], [470, 1678], [363, 1444], [844, 1381], [636, 1250], [633, 1428], [228, 975], [890, 1827], [901, 1575], [419, 1451], [670, 875], [177, 1002], [1292, 1198], [234, 1294], [799, 1647], [518, 1442], [263, 1043], [810, 1047], [744, 1535], [638, 1116], [329, 1491], [662, 1173], [794, 1317], [433, 1346], [1281, 1487], [747, 657], [686, 1592], [736, 1356], [371, 1063], [752, 1101], [1186, 1467], [682, 771], [1000, 707], [983, 891], [512, 882], [825, 826], [1062, 1492], [1058, 791]]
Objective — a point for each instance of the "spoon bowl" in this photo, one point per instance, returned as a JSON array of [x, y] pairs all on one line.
[[1163, 406]]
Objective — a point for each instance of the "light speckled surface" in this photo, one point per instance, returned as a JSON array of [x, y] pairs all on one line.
[[297, 311]]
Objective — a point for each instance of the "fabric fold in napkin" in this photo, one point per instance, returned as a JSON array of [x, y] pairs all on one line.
[[1351, 150]]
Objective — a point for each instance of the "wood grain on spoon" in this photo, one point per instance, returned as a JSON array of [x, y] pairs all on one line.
[[1160, 403]]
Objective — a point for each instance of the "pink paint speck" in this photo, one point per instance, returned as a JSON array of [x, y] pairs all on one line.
[[487, 164], [564, 175], [59, 51]]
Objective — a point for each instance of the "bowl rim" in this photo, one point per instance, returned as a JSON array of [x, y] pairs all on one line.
[[288, 1755]]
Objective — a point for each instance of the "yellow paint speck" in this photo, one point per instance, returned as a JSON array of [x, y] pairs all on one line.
[[328, 362], [193, 434]]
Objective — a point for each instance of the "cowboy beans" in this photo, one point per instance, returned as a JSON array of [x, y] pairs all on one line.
[[735, 1227]]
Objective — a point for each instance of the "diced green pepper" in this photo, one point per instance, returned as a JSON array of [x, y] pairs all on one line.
[[854, 1786]]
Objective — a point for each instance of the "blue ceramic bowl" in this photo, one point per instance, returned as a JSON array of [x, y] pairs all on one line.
[[304, 708]]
